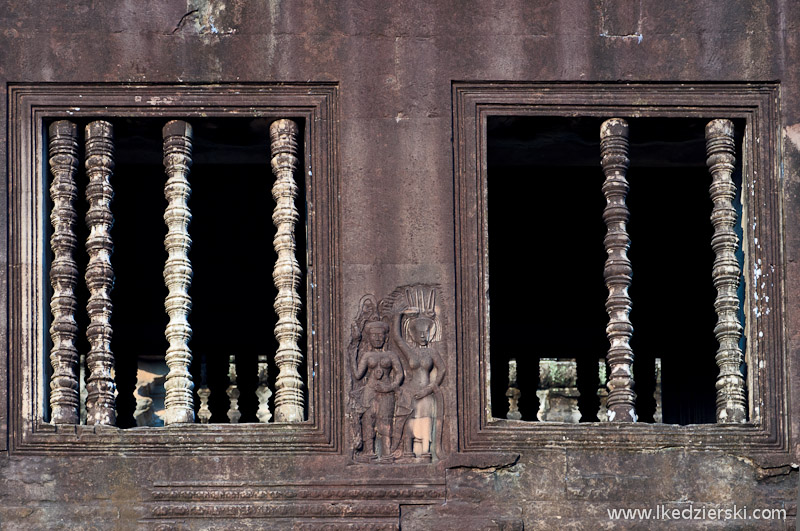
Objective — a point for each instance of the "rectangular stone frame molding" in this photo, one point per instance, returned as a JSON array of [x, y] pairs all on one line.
[[766, 436], [29, 106]]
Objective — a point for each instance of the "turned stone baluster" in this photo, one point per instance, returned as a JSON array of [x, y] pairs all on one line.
[[204, 413], [658, 416], [602, 390], [614, 160], [83, 392], [179, 401], [731, 396], [100, 401], [64, 387], [289, 398], [558, 392], [263, 392], [513, 393], [233, 392]]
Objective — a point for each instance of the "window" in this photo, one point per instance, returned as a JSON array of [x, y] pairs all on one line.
[[535, 155], [223, 132], [528, 176]]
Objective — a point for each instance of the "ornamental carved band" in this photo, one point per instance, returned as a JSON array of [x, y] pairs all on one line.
[[617, 272], [64, 388], [179, 401], [731, 396], [289, 397], [100, 401]]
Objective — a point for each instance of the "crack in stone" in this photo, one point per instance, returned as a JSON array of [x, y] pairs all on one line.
[[182, 21]]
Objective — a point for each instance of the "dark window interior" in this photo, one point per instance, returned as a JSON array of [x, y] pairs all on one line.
[[546, 259], [232, 255]]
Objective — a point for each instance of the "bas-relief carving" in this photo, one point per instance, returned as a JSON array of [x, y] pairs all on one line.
[[397, 369]]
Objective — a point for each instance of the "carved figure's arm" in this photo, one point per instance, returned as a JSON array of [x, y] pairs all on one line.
[[397, 371], [440, 370], [438, 363], [405, 348], [352, 350], [361, 369]]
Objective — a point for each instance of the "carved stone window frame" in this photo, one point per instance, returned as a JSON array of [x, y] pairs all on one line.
[[29, 106], [767, 432]]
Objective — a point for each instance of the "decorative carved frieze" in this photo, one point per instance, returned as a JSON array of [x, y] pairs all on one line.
[[614, 160], [317, 491], [64, 387], [100, 401], [342, 505], [178, 272], [731, 395], [358, 509], [396, 402], [289, 395]]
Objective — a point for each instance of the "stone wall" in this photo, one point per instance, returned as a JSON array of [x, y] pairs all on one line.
[[395, 64]]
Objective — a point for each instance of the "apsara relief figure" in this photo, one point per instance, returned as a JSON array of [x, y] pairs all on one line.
[[396, 403], [419, 410], [377, 373]]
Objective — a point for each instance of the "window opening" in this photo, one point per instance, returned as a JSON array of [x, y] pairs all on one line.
[[232, 256], [545, 223]]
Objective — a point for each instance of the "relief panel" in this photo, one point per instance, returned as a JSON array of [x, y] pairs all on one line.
[[396, 363]]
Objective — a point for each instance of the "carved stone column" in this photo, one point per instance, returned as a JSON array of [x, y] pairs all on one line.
[[100, 402], [178, 272], [617, 272], [731, 396], [64, 387], [289, 397]]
